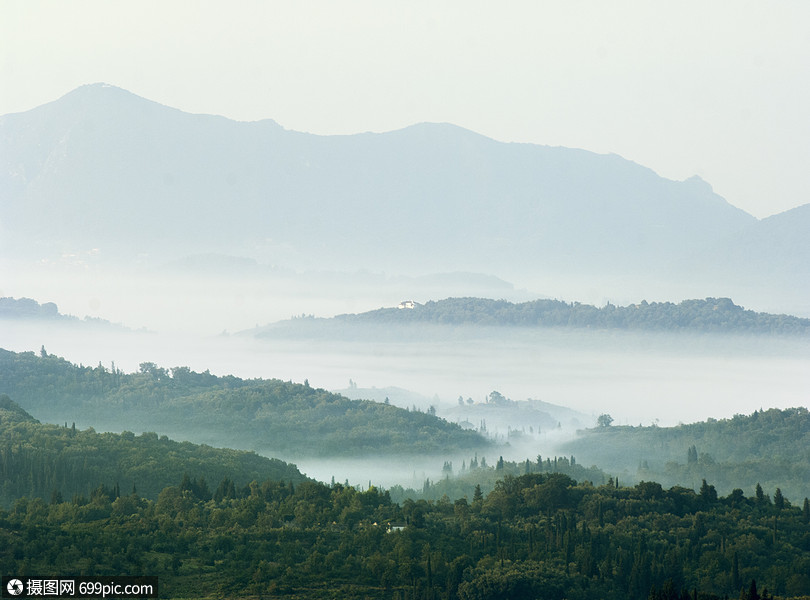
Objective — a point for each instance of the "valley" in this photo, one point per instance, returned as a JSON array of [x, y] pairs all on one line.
[[412, 364]]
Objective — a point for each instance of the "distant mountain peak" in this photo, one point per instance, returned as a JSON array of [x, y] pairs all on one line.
[[698, 181], [100, 85], [98, 95], [104, 168], [101, 90]]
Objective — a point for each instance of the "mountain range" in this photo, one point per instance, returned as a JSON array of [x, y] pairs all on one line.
[[105, 173]]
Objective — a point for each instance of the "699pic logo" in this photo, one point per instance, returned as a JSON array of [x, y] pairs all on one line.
[[15, 587]]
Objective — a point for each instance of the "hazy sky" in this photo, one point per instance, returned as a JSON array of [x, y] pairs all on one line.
[[718, 89]]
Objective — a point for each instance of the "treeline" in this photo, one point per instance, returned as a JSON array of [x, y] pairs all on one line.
[[53, 462], [709, 315], [533, 536], [269, 416], [771, 447], [28, 309], [479, 476]]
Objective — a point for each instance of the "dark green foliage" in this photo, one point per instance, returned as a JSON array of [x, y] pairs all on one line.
[[771, 448], [269, 416], [709, 315], [11, 412], [55, 462], [479, 479], [534, 536], [778, 499]]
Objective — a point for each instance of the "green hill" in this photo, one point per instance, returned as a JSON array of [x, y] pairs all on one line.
[[269, 416], [770, 447], [52, 461], [710, 315], [537, 535]]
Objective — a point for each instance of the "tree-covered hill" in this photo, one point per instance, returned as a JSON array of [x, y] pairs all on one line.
[[475, 475], [52, 461], [533, 536], [269, 416], [713, 315], [26, 309], [770, 447]]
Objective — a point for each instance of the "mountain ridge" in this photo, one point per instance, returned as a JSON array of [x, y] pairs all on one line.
[[264, 415], [103, 168], [768, 447], [707, 315], [40, 459]]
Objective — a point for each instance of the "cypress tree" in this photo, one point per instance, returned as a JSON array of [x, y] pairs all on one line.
[[708, 493], [478, 499], [736, 583], [778, 499], [429, 573], [760, 495]]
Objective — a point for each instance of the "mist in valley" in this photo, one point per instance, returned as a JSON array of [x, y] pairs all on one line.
[[407, 300], [639, 378], [189, 250]]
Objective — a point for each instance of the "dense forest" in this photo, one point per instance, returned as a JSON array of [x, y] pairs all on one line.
[[53, 461], [462, 481], [270, 416], [224, 523], [533, 536], [771, 447], [711, 315]]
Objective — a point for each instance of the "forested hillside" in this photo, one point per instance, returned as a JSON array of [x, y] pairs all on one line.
[[711, 315], [533, 536], [769, 447], [269, 416], [26, 309], [477, 476], [55, 462]]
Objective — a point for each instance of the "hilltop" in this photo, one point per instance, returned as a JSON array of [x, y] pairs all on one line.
[[103, 173], [28, 310], [770, 447], [710, 315], [269, 416], [52, 461]]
